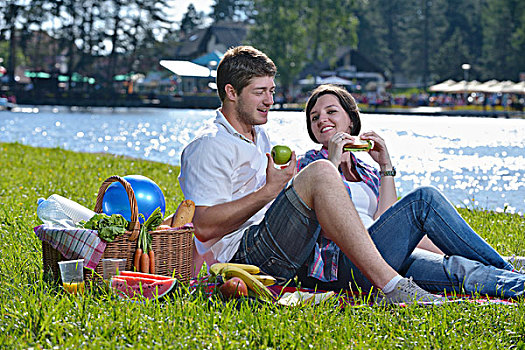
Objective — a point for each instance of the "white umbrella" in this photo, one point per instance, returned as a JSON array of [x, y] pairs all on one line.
[[309, 81], [441, 86], [465, 86], [498, 87], [472, 85], [335, 80], [516, 88], [486, 86], [460, 86]]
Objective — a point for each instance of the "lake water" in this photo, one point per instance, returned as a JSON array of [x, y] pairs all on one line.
[[476, 162]]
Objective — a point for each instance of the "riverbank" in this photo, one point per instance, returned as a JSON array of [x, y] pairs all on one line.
[[459, 111], [39, 314], [425, 111], [207, 101]]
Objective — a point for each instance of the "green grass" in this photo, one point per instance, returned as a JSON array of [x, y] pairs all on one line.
[[39, 314]]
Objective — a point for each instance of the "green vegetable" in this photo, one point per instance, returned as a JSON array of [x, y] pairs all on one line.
[[108, 227], [145, 239]]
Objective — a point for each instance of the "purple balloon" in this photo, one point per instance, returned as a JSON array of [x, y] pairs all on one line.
[[148, 194]]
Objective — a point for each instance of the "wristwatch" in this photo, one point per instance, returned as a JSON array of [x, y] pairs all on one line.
[[388, 172]]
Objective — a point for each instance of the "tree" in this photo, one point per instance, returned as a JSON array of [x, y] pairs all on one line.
[[451, 55], [191, 20], [133, 24], [382, 24], [12, 15], [332, 19], [224, 10], [461, 41], [503, 28], [285, 45], [303, 39], [231, 10], [423, 37]]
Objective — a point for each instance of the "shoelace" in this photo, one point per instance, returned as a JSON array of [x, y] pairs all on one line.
[[413, 289]]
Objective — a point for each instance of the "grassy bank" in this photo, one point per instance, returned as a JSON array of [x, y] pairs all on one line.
[[38, 314]]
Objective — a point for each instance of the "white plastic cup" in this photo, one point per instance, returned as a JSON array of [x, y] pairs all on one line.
[[72, 273], [112, 267]]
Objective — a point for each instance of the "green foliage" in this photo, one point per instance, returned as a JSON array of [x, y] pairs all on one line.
[[230, 10], [426, 24], [378, 30], [286, 44], [294, 33], [503, 41], [432, 39], [80, 31], [191, 20], [108, 227], [4, 53], [39, 314]]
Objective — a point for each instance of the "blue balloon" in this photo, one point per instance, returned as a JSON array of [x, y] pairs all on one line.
[[148, 194]]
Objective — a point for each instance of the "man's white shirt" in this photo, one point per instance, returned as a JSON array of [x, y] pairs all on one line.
[[220, 165]]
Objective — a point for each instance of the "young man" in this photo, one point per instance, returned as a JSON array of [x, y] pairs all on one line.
[[246, 209]]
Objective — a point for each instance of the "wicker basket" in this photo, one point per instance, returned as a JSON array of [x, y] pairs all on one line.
[[173, 248]]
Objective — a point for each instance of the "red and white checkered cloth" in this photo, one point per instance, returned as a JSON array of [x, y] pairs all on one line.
[[74, 243]]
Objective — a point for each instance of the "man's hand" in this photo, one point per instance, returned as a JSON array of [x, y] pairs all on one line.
[[276, 178], [213, 223]]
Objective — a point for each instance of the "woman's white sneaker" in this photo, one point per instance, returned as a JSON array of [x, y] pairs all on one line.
[[407, 291]]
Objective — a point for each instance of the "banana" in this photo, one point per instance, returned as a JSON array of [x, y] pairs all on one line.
[[216, 268], [267, 280], [250, 280]]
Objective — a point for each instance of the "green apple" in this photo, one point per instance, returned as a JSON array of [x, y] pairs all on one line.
[[281, 154]]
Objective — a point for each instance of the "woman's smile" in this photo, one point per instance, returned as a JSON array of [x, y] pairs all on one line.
[[328, 117]]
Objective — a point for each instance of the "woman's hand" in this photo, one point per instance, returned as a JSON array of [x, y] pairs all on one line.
[[379, 152], [335, 148]]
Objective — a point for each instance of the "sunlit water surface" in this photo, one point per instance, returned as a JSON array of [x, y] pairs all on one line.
[[476, 162]]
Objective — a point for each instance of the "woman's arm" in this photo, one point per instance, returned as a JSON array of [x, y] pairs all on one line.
[[387, 193], [387, 190]]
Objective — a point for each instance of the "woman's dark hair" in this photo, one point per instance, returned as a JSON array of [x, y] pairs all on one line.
[[239, 66], [347, 102]]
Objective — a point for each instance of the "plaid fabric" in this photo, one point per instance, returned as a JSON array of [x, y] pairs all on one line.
[[74, 243], [324, 265]]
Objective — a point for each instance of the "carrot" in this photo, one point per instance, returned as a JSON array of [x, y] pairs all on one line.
[[136, 260], [144, 263], [151, 261]]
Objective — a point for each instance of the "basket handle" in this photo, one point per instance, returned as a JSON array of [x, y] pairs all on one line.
[[134, 225]]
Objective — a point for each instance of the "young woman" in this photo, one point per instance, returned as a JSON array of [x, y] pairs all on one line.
[[453, 258]]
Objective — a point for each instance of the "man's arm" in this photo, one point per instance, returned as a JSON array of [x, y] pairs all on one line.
[[214, 222]]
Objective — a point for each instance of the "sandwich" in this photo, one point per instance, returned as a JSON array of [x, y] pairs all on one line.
[[358, 145]]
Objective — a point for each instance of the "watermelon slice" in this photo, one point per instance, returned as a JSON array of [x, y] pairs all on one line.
[[142, 285], [146, 275]]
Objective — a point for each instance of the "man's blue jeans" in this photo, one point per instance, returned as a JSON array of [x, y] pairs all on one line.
[[470, 264]]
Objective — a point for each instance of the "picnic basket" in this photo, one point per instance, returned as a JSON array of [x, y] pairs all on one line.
[[173, 247]]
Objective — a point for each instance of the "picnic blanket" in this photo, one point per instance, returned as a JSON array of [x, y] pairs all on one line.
[[348, 298], [74, 243]]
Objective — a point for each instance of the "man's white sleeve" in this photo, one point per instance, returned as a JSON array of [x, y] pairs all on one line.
[[205, 173]]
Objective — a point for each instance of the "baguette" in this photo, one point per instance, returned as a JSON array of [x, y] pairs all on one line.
[[184, 214]]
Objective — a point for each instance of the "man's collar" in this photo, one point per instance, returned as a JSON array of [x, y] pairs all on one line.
[[221, 119]]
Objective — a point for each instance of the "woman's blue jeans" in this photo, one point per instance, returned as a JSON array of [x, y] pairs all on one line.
[[470, 264]]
